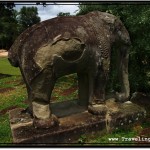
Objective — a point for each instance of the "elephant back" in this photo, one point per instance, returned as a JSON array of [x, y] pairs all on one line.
[[87, 28]]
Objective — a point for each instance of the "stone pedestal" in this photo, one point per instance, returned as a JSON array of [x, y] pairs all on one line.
[[74, 122]]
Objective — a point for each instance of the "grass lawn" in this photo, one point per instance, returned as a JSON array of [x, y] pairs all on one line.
[[6, 68], [12, 94]]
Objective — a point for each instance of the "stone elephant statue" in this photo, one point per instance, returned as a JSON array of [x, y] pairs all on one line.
[[66, 45]]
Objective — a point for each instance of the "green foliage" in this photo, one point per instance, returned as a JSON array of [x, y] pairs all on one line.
[[7, 26], [12, 23], [137, 21], [63, 14], [82, 139], [7, 4], [27, 17]]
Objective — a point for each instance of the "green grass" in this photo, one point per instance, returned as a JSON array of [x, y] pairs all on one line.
[[120, 134], [6, 68], [5, 131], [13, 97], [11, 81]]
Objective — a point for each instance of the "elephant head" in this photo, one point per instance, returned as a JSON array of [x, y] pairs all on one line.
[[121, 33], [123, 42]]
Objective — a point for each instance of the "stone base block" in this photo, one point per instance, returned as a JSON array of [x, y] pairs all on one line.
[[74, 122]]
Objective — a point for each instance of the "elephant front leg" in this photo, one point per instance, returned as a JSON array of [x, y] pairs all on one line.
[[41, 89], [99, 88], [123, 75]]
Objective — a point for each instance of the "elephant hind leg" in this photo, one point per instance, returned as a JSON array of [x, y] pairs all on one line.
[[98, 107], [41, 89]]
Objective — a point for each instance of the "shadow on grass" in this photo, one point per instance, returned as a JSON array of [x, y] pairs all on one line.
[[4, 75]]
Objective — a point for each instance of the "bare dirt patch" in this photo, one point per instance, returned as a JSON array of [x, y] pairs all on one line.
[[4, 111], [3, 90], [68, 91], [3, 53], [53, 98], [16, 82]]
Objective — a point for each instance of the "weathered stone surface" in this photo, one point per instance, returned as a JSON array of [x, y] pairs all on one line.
[[98, 109], [66, 108], [69, 130], [75, 123], [125, 115]]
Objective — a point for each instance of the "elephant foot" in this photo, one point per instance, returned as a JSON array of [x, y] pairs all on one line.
[[98, 109], [46, 123], [98, 101]]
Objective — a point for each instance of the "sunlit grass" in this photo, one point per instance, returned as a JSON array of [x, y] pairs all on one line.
[[13, 98], [6, 68]]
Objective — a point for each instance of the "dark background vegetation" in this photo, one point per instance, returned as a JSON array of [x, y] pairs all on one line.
[[12, 23], [135, 16]]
